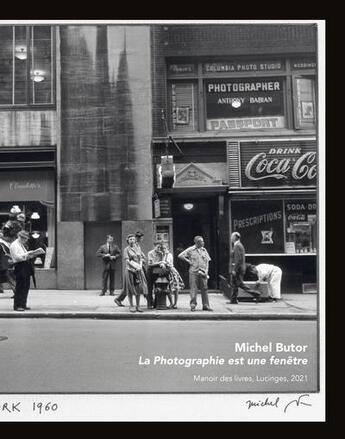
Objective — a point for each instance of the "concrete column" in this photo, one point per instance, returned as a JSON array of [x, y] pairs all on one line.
[[70, 255]]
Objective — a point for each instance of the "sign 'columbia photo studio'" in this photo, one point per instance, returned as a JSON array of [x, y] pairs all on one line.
[[245, 104], [277, 164]]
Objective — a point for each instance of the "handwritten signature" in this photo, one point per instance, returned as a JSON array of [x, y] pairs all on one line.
[[275, 402], [297, 401]]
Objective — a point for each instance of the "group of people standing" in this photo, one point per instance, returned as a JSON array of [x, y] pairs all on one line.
[[140, 272]]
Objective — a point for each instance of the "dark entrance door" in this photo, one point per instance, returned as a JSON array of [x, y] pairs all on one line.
[[191, 217], [95, 235]]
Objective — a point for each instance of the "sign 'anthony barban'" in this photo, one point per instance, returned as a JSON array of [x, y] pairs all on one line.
[[278, 165]]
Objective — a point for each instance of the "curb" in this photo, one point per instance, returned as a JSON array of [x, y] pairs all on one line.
[[136, 316]]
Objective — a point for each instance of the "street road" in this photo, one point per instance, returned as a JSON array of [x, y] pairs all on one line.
[[112, 356]]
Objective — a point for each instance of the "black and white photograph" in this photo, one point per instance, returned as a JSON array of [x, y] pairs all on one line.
[[162, 220]]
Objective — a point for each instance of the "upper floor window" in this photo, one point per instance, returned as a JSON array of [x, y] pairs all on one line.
[[26, 65], [184, 105], [242, 95], [304, 99]]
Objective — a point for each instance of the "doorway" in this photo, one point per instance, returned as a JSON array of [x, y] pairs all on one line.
[[191, 217], [94, 236]]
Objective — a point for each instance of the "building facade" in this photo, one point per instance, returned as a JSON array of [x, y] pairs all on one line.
[[240, 101], [176, 130], [75, 120]]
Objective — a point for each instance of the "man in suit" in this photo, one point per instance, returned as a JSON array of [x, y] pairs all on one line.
[[109, 252], [238, 269]]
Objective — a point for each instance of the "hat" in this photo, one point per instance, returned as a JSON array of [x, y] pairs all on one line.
[[139, 234], [21, 217], [23, 234]]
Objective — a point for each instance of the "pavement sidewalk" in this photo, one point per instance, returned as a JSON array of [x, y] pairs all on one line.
[[88, 304]]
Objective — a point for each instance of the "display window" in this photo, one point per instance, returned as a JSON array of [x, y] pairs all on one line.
[[301, 226], [260, 224], [31, 193], [286, 226], [245, 103]]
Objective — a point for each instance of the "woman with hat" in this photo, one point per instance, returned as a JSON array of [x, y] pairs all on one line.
[[134, 277]]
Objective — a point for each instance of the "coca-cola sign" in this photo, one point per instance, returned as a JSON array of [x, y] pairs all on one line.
[[278, 163]]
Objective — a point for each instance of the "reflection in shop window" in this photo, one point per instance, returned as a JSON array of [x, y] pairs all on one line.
[[39, 223]]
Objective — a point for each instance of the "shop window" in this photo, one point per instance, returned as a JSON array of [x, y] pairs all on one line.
[[261, 225], [301, 226], [26, 65], [245, 104], [40, 224], [33, 194], [304, 102], [183, 105]]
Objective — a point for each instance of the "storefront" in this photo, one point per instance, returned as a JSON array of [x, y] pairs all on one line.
[[33, 192], [273, 205], [262, 111], [196, 204]]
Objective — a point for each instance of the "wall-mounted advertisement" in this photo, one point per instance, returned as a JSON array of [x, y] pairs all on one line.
[[245, 104], [276, 164], [261, 225]]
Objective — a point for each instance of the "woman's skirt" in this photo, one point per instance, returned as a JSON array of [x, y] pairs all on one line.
[[135, 283]]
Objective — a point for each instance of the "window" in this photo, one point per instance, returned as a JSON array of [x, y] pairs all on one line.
[[301, 226], [261, 225], [304, 102], [33, 193], [245, 103], [183, 105], [26, 65], [286, 226]]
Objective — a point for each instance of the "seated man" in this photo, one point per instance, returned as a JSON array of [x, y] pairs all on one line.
[[162, 258], [176, 283], [154, 259]]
